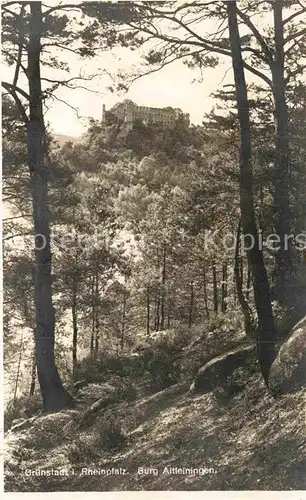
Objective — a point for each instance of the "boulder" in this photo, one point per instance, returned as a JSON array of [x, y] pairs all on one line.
[[288, 371], [94, 392], [90, 414], [217, 369], [79, 384], [206, 346]]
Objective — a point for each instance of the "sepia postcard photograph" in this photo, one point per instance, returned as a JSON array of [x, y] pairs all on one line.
[[154, 248]]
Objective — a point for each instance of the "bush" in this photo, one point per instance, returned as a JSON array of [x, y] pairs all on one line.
[[80, 452], [126, 390], [97, 370], [110, 434], [163, 368]]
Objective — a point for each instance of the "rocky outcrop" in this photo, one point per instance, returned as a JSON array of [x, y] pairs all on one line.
[[90, 414], [206, 346], [288, 371], [217, 369]]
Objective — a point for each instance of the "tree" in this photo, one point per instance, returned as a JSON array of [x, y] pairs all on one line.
[[273, 54], [266, 327], [30, 31], [23, 34]]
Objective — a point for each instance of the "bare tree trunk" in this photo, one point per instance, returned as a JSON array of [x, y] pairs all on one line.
[[74, 326], [267, 332], [234, 288], [97, 322], [248, 285], [246, 310], [169, 312], [18, 370], [205, 292], [224, 288], [157, 313], [241, 270], [54, 396], [148, 310], [163, 285], [33, 374], [191, 302], [93, 319], [215, 289], [284, 257], [123, 321]]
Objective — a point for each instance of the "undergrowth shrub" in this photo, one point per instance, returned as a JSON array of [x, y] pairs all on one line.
[[80, 452], [110, 434], [97, 370], [163, 368]]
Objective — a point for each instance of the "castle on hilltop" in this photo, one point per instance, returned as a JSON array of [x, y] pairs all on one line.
[[129, 112]]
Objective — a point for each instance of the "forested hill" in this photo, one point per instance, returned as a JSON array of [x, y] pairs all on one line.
[[155, 319], [61, 139], [136, 425]]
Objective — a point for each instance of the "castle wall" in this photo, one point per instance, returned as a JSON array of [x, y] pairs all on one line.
[[167, 117]]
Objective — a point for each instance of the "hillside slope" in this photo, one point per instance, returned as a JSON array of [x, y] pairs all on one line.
[[244, 441]]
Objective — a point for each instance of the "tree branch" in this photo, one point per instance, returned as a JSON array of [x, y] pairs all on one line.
[[211, 47], [294, 36], [11, 88], [294, 15], [12, 91], [257, 35], [62, 7], [19, 55]]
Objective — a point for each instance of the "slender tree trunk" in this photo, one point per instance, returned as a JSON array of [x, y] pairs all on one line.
[[157, 313], [224, 288], [18, 370], [249, 281], [93, 319], [284, 257], [191, 304], [54, 396], [205, 292], [246, 310], [215, 289], [241, 270], [168, 312], [123, 321], [33, 374], [267, 333], [74, 326], [163, 286], [234, 288], [261, 205], [97, 322], [148, 310]]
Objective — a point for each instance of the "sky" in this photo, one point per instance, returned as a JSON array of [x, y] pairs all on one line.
[[173, 86]]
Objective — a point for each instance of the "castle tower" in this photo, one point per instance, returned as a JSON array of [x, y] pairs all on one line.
[[103, 121], [129, 115]]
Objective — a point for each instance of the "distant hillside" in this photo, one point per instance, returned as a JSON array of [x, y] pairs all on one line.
[[61, 139]]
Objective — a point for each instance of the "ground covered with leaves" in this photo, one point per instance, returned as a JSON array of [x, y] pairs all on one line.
[[241, 441]]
